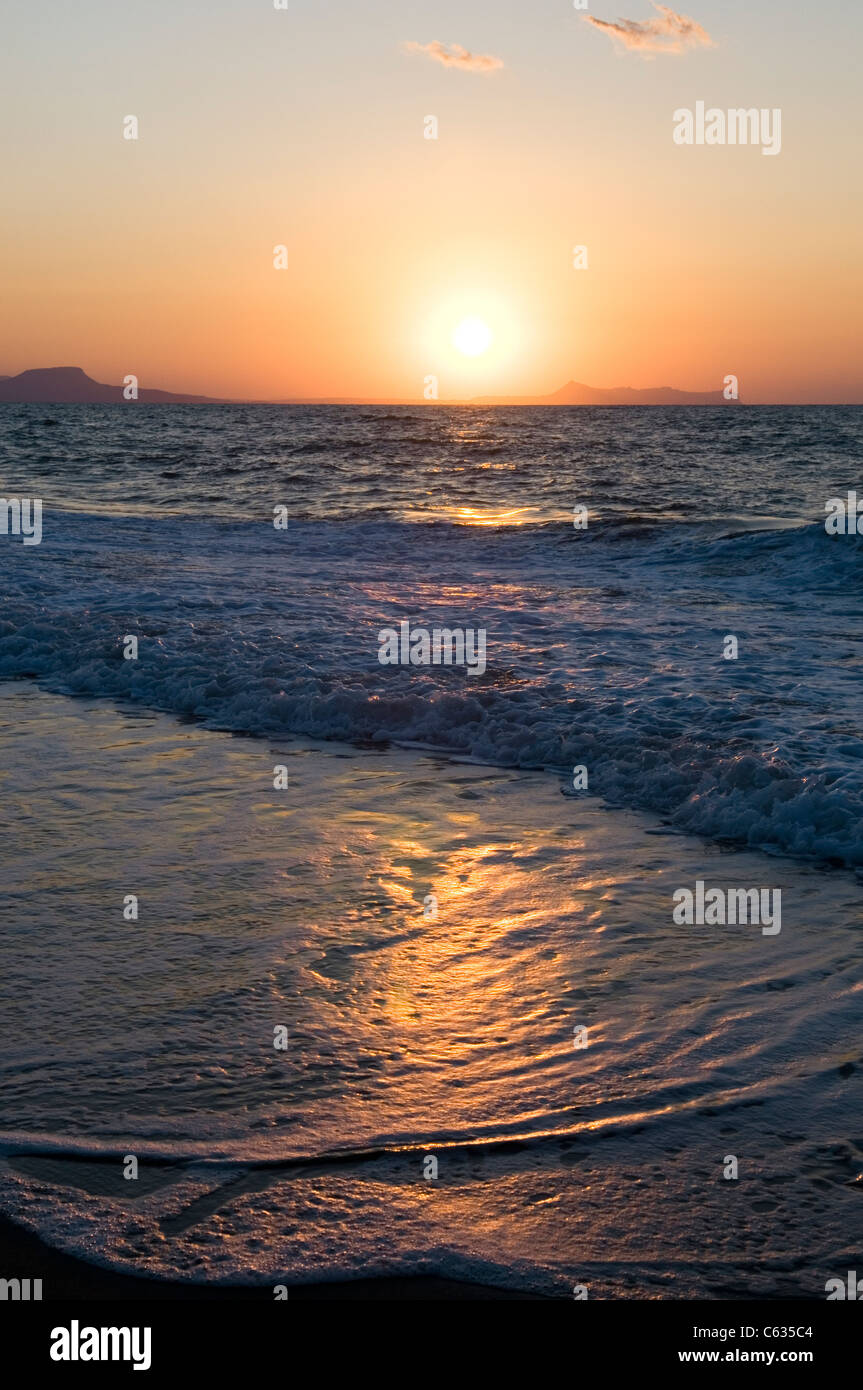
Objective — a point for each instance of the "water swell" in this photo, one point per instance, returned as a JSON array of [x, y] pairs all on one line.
[[752, 754]]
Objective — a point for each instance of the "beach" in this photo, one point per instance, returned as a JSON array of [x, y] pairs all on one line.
[[365, 980], [409, 1036]]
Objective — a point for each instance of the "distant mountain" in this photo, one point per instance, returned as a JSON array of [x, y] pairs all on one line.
[[72, 386], [575, 393]]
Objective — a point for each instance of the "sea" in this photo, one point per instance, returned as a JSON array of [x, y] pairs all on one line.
[[317, 968]]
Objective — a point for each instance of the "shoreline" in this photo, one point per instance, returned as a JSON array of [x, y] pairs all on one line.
[[69, 1277], [410, 1036]]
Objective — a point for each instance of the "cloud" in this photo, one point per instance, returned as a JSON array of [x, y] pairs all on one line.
[[670, 33], [454, 56]]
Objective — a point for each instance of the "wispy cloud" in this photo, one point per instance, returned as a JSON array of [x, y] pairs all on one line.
[[454, 56], [670, 33]]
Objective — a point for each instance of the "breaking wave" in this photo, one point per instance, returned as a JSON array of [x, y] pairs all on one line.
[[604, 649]]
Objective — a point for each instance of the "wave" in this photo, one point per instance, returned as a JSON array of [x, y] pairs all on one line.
[[499, 1138], [62, 1150], [604, 651]]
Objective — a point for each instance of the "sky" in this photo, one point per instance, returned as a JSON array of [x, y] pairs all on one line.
[[304, 128]]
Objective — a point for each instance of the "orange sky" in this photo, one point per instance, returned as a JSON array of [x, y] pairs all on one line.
[[305, 127]]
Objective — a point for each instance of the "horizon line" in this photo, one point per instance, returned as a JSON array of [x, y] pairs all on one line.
[[526, 401]]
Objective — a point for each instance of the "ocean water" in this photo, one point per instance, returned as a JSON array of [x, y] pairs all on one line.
[[450, 1036]]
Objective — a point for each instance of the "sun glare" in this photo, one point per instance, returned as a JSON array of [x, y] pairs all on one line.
[[472, 336]]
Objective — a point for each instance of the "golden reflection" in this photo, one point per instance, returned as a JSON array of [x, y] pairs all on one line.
[[473, 949], [472, 516], [462, 948]]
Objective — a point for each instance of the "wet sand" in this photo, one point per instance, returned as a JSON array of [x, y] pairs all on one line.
[[411, 1036]]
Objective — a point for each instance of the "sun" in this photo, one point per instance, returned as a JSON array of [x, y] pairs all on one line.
[[472, 336]]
